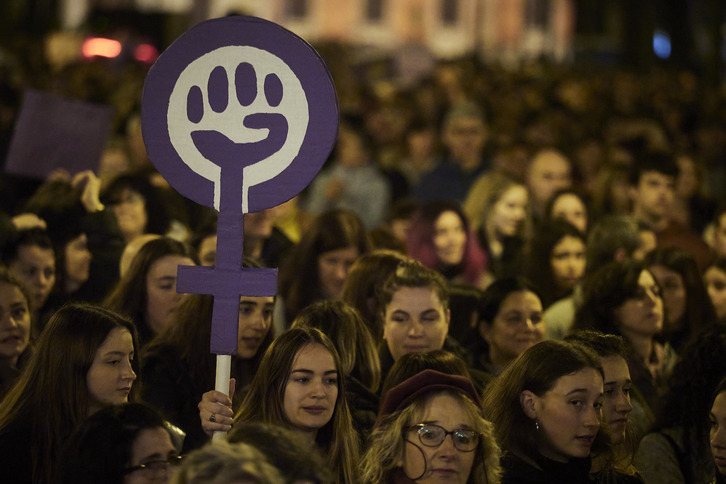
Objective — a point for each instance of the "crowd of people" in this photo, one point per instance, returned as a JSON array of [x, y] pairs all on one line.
[[497, 276]]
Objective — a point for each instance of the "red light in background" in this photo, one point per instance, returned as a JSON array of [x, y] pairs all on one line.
[[146, 53], [100, 47]]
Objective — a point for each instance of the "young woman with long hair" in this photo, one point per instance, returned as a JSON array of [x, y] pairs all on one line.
[[299, 384], [85, 359], [147, 292], [178, 366], [545, 408]]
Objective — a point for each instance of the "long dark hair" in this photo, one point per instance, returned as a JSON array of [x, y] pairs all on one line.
[[299, 281], [691, 386], [699, 311], [536, 370], [101, 447], [52, 393], [129, 295]]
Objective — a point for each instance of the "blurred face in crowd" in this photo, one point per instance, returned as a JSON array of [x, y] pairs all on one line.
[[719, 237], [616, 396], [568, 261], [14, 322], [35, 268], [715, 280], [517, 326], [161, 296], [548, 172], [207, 252], [653, 196], [111, 375], [333, 267], [570, 207], [77, 261], [130, 210], [718, 432], [254, 321], [673, 293], [510, 211], [443, 462], [568, 414], [449, 238], [642, 315], [465, 137], [415, 321], [152, 448]]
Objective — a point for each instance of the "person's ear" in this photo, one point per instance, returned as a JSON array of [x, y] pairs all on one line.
[[448, 317], [529, 403]]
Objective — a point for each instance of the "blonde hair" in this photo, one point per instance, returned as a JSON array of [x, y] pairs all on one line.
[[386, 443], [483, 195], [220, 462]]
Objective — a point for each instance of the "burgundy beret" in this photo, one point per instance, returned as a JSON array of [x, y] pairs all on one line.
[[424, 382]]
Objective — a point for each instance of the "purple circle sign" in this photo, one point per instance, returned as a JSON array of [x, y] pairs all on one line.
[[239, 101]]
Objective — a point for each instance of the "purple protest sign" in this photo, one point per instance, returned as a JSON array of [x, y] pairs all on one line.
[[54, 132], [238, 114]]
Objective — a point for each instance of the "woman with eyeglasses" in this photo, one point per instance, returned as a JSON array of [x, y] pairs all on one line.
[[430, 429], [122, 444]]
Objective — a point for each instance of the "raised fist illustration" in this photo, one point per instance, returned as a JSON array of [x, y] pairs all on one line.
[[214, 138]]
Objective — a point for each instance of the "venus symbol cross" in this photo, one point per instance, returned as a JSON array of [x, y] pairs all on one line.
[[228, 117]]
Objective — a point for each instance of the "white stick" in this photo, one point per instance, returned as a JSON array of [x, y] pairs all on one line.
[[221, 384]]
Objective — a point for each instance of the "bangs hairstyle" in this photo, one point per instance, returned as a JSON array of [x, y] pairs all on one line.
[[264, 400], [52, 392], [536, 370], [387, 442], [412, 274]]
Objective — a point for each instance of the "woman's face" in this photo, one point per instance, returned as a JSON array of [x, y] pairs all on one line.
[[333, 267], [715, 280], [616, 396], [510, 211], [718, 432], [673, 294], [642, 314], [311, 391], [415, 321], [568, 414], [569, 207], [161, 296], [14, 322], [449, 238], [254, 321], [444, 462], [130, 210], [153, 448], [567, 261], [111, 375], [78, 260], [517, 326]]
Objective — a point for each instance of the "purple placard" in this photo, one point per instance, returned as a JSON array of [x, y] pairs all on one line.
[[54, 132], [273, 80], [238, 114]]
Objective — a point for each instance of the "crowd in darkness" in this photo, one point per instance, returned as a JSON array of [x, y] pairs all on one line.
[[497, 276]]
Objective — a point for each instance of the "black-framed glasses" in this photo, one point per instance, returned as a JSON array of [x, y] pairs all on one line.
[[431, 435], [156, 466]]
